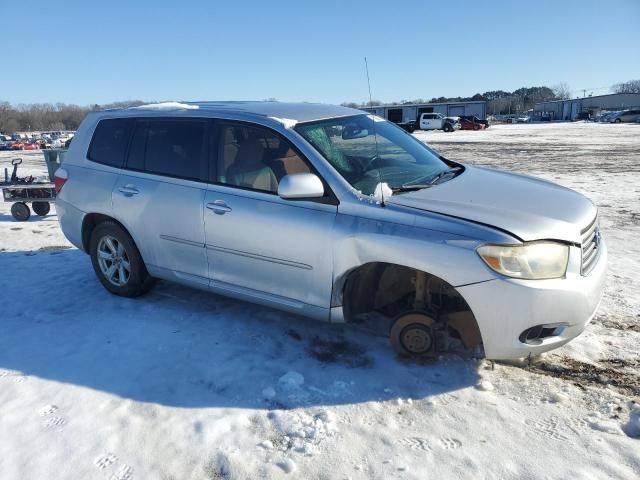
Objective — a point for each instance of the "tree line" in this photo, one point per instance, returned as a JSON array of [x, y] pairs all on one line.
[[63, 116], [48, 116]]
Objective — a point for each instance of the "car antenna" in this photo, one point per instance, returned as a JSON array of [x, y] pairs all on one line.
[[375, 135]]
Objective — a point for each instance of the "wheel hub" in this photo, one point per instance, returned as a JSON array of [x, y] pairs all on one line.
[[412, 334], [416, 339]]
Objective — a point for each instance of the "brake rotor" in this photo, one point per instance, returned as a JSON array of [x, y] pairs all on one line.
[[412, 334]]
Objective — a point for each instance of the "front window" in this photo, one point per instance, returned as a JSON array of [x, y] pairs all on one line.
[[367, 152]]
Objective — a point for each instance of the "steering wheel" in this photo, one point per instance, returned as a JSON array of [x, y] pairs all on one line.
[[367, 163]]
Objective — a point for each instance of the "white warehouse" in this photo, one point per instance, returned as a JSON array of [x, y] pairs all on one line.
[[408, 112], [577, 108]]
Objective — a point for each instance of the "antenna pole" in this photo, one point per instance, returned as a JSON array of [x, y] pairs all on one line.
[[375, 135]]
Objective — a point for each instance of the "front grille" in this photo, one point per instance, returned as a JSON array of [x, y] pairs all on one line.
[[590, 246]]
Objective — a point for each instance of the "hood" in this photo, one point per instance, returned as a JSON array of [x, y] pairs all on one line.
[[527, 207]]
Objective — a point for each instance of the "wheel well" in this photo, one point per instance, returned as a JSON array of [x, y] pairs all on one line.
[[390, 289], [90, 222]]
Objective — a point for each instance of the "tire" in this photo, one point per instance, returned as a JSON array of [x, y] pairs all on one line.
[[20, 211], [110, 239], [618, 120], [41, 208], [447, 127]]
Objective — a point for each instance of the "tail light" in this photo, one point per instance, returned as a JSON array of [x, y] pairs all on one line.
[[60, 178]]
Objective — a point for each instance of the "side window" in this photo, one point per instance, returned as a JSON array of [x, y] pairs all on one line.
[[109, 142], [175, 148], [255, 157]]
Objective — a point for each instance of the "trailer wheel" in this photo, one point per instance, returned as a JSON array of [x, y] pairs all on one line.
[[20, 211], [41, 208]]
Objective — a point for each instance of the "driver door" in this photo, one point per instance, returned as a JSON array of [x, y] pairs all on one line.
[[261, 247]]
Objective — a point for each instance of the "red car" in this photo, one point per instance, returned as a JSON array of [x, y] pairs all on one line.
[[31, 146], [17, 145], [469, 124]]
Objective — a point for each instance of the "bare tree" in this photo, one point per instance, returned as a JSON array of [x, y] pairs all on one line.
[[562, 91], [632, 86]]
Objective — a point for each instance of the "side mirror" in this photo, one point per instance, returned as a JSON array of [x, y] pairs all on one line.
[[300, 185]]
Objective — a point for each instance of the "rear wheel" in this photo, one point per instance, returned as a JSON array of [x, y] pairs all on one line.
[[476, 127], [448, 127], [618, 120], [117, 261], [20, 211], [41, 208]]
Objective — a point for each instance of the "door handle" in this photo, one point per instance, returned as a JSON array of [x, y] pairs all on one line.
[[219, 207], [128, 190]]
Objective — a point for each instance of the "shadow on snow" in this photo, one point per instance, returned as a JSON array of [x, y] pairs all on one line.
[[186, 348]]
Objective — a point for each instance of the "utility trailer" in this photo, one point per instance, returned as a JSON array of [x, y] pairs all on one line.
[[21, 191]]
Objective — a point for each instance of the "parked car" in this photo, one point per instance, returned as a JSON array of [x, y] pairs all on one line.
[[467, 123], [605, 117], [625, 116], [522, 119], [263, 202], [16, 145], [474, 119], [32, 145], [437, 121]]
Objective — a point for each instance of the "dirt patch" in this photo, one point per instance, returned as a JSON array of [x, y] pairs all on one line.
[[583, 374], [633, 327], [339, 351], [53, 248]]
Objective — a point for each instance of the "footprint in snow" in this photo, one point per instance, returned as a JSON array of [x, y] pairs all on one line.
[[53, 422], [549, 428], [416, 443], [125, 472], [105, 461], [450, 443], [48, 410]]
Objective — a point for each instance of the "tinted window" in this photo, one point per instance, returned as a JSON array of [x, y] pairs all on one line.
[[255, 157], [109, 142], [175, 148]]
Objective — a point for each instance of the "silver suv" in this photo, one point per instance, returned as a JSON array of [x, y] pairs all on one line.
[[335, 214]]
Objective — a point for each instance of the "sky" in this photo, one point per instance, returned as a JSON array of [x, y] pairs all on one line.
[[97, 52]]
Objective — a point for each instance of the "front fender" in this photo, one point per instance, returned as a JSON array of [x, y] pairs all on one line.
[[448, 256]]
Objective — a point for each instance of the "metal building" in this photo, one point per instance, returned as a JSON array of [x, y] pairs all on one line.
[[408, 112], [577, 108]]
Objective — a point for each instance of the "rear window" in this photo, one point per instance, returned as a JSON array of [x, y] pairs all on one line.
[[109, 142], [174, 148]]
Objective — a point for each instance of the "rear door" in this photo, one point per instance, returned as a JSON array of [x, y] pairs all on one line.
[[159, 196], [259, 245]]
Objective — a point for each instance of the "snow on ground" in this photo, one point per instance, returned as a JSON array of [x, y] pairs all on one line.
[[181, 384]]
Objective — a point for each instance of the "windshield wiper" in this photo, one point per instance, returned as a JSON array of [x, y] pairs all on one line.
[[411, 188], [443, 174], [433, 179]]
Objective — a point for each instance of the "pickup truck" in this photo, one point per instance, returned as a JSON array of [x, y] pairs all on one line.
[[437, 121]]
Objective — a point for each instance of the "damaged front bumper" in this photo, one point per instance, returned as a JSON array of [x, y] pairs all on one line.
[[518, 318]]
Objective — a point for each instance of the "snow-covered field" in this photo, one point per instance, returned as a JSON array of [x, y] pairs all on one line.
[[183, 385]]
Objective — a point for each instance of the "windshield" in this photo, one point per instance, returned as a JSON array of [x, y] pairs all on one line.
[[365, 159]]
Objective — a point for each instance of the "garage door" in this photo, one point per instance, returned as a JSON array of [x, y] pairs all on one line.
[[456, 111]]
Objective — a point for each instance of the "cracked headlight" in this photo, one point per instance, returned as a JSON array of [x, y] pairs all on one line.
[[531, 261]]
